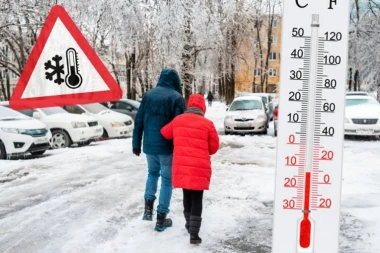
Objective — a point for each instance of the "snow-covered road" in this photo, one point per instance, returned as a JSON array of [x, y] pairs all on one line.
[[90, 200]]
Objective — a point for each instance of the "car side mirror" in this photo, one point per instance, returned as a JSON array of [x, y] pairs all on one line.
[[37, 115]]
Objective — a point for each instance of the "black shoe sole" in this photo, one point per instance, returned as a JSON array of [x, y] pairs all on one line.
[[195, 241]]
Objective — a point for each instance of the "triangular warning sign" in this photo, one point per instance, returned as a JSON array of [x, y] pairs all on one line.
[[63, 69]]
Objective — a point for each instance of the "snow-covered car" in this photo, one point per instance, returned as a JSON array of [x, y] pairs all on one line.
[[246, 115], [362, 116], [66, 128], [115, 125], [20, 134], [268, 101], [357, 93], [124, 106]]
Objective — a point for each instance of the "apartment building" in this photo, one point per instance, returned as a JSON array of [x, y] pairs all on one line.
[[249, 72]]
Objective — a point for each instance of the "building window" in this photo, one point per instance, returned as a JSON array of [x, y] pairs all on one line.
[[272, 72], [257, 72], [273, 39], [275, 23], [272, 56]]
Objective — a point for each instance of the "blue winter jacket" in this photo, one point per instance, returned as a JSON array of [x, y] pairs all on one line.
[[158, 107]]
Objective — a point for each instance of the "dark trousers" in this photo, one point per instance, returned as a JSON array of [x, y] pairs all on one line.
[[192, 202]]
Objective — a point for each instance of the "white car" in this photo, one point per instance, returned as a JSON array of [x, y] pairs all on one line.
[[66, 128], [246, 115], [115, 124], [20, 134], [362, 116]]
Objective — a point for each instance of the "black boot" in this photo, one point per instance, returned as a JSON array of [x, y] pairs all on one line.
[[187, 218], [162, 223], [195, 225], [148, 210]]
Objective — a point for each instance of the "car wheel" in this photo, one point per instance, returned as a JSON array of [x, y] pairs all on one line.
[[38, 152], [3, 153], [60, 139], [227, 133], [265, 131]]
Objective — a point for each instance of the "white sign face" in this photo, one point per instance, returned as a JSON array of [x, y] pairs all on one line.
[[311, 126], [63, 68]]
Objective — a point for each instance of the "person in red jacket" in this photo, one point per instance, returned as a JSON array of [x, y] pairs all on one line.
[[195, 139]]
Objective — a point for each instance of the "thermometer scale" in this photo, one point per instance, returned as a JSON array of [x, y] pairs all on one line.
[[311, 125]]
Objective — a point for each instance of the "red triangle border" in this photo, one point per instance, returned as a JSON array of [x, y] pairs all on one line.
[[18, 103]]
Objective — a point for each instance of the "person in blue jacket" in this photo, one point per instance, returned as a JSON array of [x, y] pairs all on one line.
[[158, 107]]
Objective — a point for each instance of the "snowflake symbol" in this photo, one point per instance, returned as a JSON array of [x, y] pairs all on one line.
[[57, 70]]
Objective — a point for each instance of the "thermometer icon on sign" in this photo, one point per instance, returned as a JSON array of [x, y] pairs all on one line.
[[73, 78]]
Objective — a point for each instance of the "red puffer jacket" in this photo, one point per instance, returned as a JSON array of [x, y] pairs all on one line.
[[195, 139]]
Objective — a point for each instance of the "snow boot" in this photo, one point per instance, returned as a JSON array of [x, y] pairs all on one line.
[[148, 210], [162, 222], [187, 218], [195, 225]]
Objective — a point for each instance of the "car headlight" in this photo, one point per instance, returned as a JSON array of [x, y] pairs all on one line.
[[261, 117], [13, 130], [117, 124], [228, 118], [78, 124]]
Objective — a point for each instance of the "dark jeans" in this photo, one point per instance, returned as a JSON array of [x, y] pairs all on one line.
[[192, 202], [159, 165]]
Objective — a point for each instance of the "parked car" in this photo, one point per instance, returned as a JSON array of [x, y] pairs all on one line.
[[268, 100], [66, 128], [125, 106], [20, 134], [362, 116], [114, 124], [246, 115], [275, 120]]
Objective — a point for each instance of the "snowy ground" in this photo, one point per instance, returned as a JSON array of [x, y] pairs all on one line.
[[89, 200]]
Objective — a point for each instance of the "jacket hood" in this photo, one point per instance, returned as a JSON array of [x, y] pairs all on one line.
[[197, 101], [170, 78]]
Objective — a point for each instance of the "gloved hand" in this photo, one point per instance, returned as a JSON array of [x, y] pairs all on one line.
[[137, 151]]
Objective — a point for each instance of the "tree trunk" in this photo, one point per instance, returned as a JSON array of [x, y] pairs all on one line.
[[133, 72], [356, 77], [8, 83], [128, 75], [3, 90], [187, 63], [350, 80]]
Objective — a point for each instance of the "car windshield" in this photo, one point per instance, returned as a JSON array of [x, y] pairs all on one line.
[[241, 105], [53, 110], [361, 101], [9, 114], [95, 107]]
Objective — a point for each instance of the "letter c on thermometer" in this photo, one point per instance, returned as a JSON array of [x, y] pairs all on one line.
[[298, 4]]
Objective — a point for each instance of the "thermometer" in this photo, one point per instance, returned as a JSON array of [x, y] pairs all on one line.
[[73, 78], [311, 126]]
